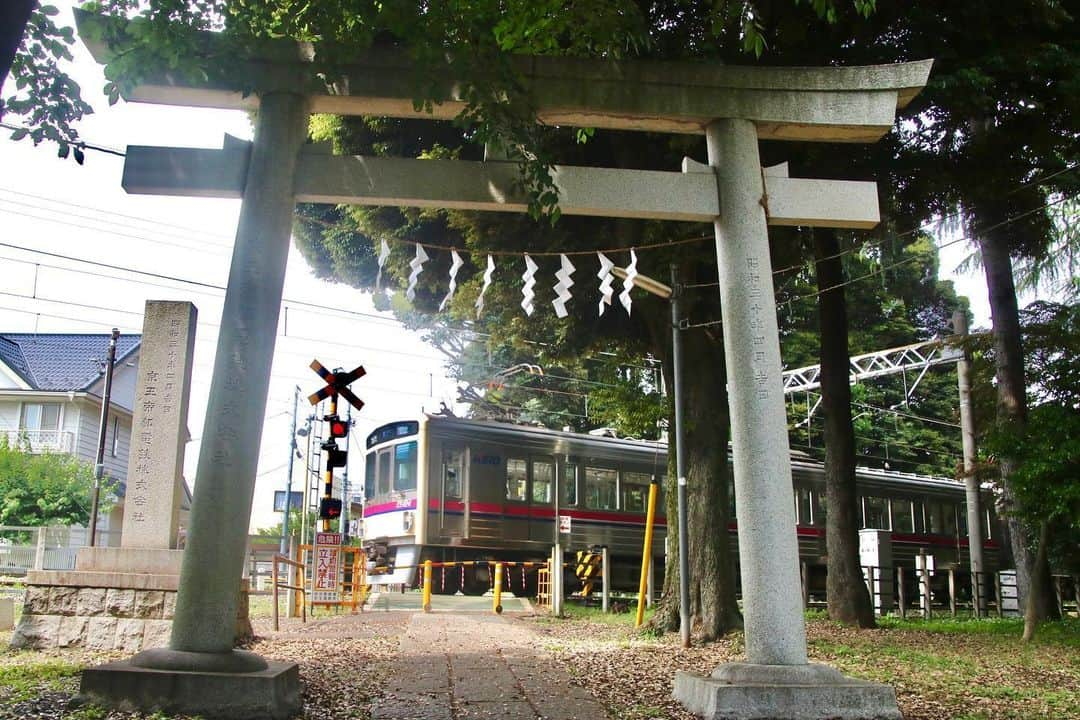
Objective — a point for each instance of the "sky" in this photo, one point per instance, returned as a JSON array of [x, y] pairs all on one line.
[[70, 235]]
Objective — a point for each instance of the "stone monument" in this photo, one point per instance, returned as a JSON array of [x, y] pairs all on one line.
[[124, 598], [733, 107]]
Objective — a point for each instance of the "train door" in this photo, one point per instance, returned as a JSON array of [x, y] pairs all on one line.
[[453, 493], [516, 502], [542, 500]]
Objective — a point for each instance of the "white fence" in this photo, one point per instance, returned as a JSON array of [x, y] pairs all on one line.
[[38, 441], [24, 548]]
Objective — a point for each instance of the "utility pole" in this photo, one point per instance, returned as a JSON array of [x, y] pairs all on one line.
[[284, 549], [971, 480], [680, 461], [103, 426], [344, 523]]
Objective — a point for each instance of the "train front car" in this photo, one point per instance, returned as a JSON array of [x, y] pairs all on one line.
[[392, 478]]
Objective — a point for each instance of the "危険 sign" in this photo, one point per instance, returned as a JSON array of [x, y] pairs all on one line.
[[326, 579]]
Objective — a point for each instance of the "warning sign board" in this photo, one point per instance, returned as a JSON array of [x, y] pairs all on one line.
[[565, 524], [326, 575]]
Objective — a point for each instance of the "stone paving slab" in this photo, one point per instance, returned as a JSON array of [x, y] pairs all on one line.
[[463, 666]]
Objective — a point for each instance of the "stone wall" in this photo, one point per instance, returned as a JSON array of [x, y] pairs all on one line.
[[103, 618]]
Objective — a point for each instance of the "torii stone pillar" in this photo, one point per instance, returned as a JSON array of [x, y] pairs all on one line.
[[185, 677], [733, 107], [772, 599]]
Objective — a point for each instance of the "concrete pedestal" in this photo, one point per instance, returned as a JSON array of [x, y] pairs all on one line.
[[743, 691], [272, 692]]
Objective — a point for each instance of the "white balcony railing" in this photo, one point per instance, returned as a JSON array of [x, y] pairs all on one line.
[[39, 441]]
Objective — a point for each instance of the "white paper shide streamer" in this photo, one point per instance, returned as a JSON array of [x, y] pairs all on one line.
[[528, 277], [417, 265], [384, 252], [628, 282], [606, 280], [455, 265], [487, 283], [562, 287]]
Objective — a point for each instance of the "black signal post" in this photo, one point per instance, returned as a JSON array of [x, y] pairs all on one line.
[[337, 383]]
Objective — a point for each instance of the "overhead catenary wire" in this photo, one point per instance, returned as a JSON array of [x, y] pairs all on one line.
[[876, 272]]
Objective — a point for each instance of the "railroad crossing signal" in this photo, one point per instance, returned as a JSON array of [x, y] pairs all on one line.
[[337, 383], [329, 508], [338, 428]]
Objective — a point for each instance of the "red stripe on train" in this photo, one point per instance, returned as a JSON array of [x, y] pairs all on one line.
[[526, 511]]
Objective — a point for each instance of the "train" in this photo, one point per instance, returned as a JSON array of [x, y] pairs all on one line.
[[451, 489]]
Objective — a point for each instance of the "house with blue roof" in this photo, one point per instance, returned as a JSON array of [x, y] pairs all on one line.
[[51, 387]]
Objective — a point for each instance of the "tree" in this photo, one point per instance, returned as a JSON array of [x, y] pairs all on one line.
[[997, 124], [45, 488], [848, 598], [1043, 480], [31, 49]]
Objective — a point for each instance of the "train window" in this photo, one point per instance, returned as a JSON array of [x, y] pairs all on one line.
[[986, 524], [384, 473], [918, 516], [369, 476], [405, 464], [517, 479], [452, 462], [600, 485], [634, 491], [568, 491], [543, 477], [902, 518], [821, 507], [876, 513], [804, 506], [940, 518]]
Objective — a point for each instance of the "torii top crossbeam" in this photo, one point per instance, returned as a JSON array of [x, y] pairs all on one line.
[[832, 104]]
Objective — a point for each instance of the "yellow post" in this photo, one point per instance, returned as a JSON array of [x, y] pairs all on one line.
[[646, 556], [497, 597], [427, 586]]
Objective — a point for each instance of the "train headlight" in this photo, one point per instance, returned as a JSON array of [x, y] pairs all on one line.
[[408, 520]]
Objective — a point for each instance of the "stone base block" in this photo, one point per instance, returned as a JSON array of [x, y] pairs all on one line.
[[153, 561], [271, 693], [742, 691], [104, 611]]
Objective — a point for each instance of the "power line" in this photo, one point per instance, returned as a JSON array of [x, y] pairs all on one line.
[[79, 144], [139, 218], [908, 261], [893, 238], [315, 308]]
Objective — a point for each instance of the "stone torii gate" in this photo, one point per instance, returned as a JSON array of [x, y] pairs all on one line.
[[734, 107]]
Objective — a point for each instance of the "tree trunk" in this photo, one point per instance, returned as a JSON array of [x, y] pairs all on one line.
[[1041, 605], [713, 607], [1012, 408], [848, 597], [14, 15]]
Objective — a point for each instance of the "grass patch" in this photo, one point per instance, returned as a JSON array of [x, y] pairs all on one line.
[[28, 680], [1065, 633]]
